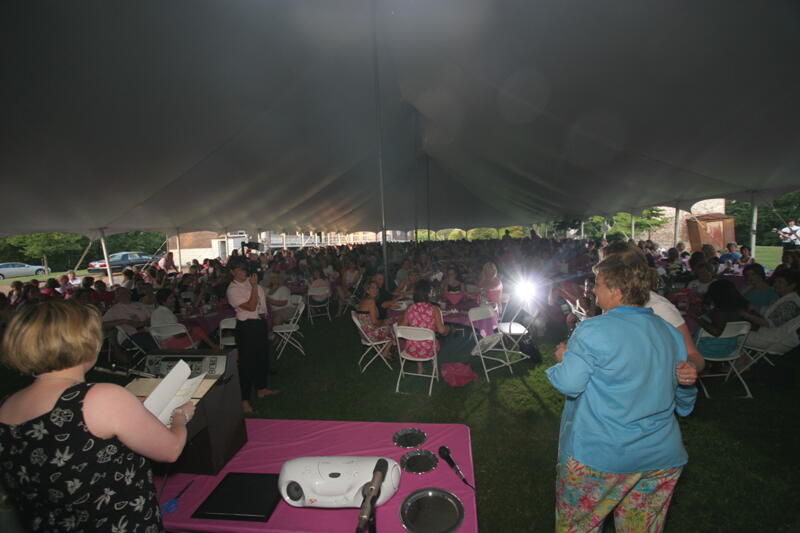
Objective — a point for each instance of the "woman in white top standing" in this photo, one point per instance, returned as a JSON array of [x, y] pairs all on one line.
[[252, 335]]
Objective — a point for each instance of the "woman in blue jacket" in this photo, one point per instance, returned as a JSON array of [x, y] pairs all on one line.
[[620, 447]]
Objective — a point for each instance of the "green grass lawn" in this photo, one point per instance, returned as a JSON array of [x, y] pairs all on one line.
[[743, 453], [769, 256], [6, 283]]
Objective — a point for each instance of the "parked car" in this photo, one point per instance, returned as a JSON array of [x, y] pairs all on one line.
[[122, 260], [15, 270]]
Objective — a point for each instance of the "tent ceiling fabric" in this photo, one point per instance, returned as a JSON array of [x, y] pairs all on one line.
[[261, 115]]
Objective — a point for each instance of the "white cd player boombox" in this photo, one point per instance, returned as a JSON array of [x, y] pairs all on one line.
[[334, 481]]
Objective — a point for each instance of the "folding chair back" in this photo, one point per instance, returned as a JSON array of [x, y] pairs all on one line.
[[415, 335], [352, 300], [132, 347], [318, 308], [739, 331], [573, 307], [481, 312], [289, 332], [166, 331], [227, 327], [374, 347], [490, 343]]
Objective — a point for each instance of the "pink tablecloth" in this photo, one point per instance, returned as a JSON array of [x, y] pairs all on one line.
[[208, 322], [272, 442], [485, 327], [297, 288]]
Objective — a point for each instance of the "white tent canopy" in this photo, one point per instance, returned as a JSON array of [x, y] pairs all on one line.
[[249, 114]]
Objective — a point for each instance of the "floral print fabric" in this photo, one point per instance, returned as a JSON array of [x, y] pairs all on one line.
[[421, 315], [374, 333], [65, 479], [585, 497]]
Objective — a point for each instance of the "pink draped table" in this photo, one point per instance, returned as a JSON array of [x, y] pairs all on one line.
[[461, 317], [272, 442], [207, 322]]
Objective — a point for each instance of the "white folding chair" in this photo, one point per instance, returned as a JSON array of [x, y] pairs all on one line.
[[287, 333], [316, 308], [373, 347], [491, 344], [781, 340], [164, 332], [133, 349], [580, 315], [512, 331], [227, 327], [738, 330], [415, 334], [352, 300]]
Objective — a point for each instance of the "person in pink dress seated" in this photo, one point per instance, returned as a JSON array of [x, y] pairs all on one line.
[[423, 314], [163, 316], [374, 328]]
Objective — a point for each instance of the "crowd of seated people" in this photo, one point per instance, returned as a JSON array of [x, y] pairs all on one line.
[[478, 271]]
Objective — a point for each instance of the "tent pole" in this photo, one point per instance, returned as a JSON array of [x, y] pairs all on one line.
[[378, 130], [582, 234], [753, 225], [83, 255], [283, 239], [105, 257], [180, 258], [633, 227], [428, 189], [677, 226]]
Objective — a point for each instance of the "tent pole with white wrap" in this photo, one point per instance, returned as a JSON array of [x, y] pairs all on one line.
[[105, 257], [677, 226], [753, 225], [633, 227], [83, 255], [178, 245]]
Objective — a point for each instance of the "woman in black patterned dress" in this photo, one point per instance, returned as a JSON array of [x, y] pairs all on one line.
[[73, 456]]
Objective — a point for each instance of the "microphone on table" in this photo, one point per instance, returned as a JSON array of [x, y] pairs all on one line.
[[371, 491], [444, 453]]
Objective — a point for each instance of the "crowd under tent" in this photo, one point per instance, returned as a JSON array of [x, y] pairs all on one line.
[[300, 115]]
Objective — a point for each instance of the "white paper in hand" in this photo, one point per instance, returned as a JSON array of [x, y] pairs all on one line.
[[173, 391]]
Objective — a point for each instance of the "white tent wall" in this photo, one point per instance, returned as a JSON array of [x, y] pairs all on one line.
[[207, 115]]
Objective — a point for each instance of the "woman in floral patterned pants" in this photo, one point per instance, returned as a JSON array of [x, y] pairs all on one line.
[[620, 446]]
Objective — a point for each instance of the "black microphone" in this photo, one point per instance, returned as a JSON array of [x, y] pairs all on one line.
[[444, 453], [371, 491]]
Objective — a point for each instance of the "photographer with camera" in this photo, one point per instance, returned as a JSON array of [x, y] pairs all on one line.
[[252, 335]]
